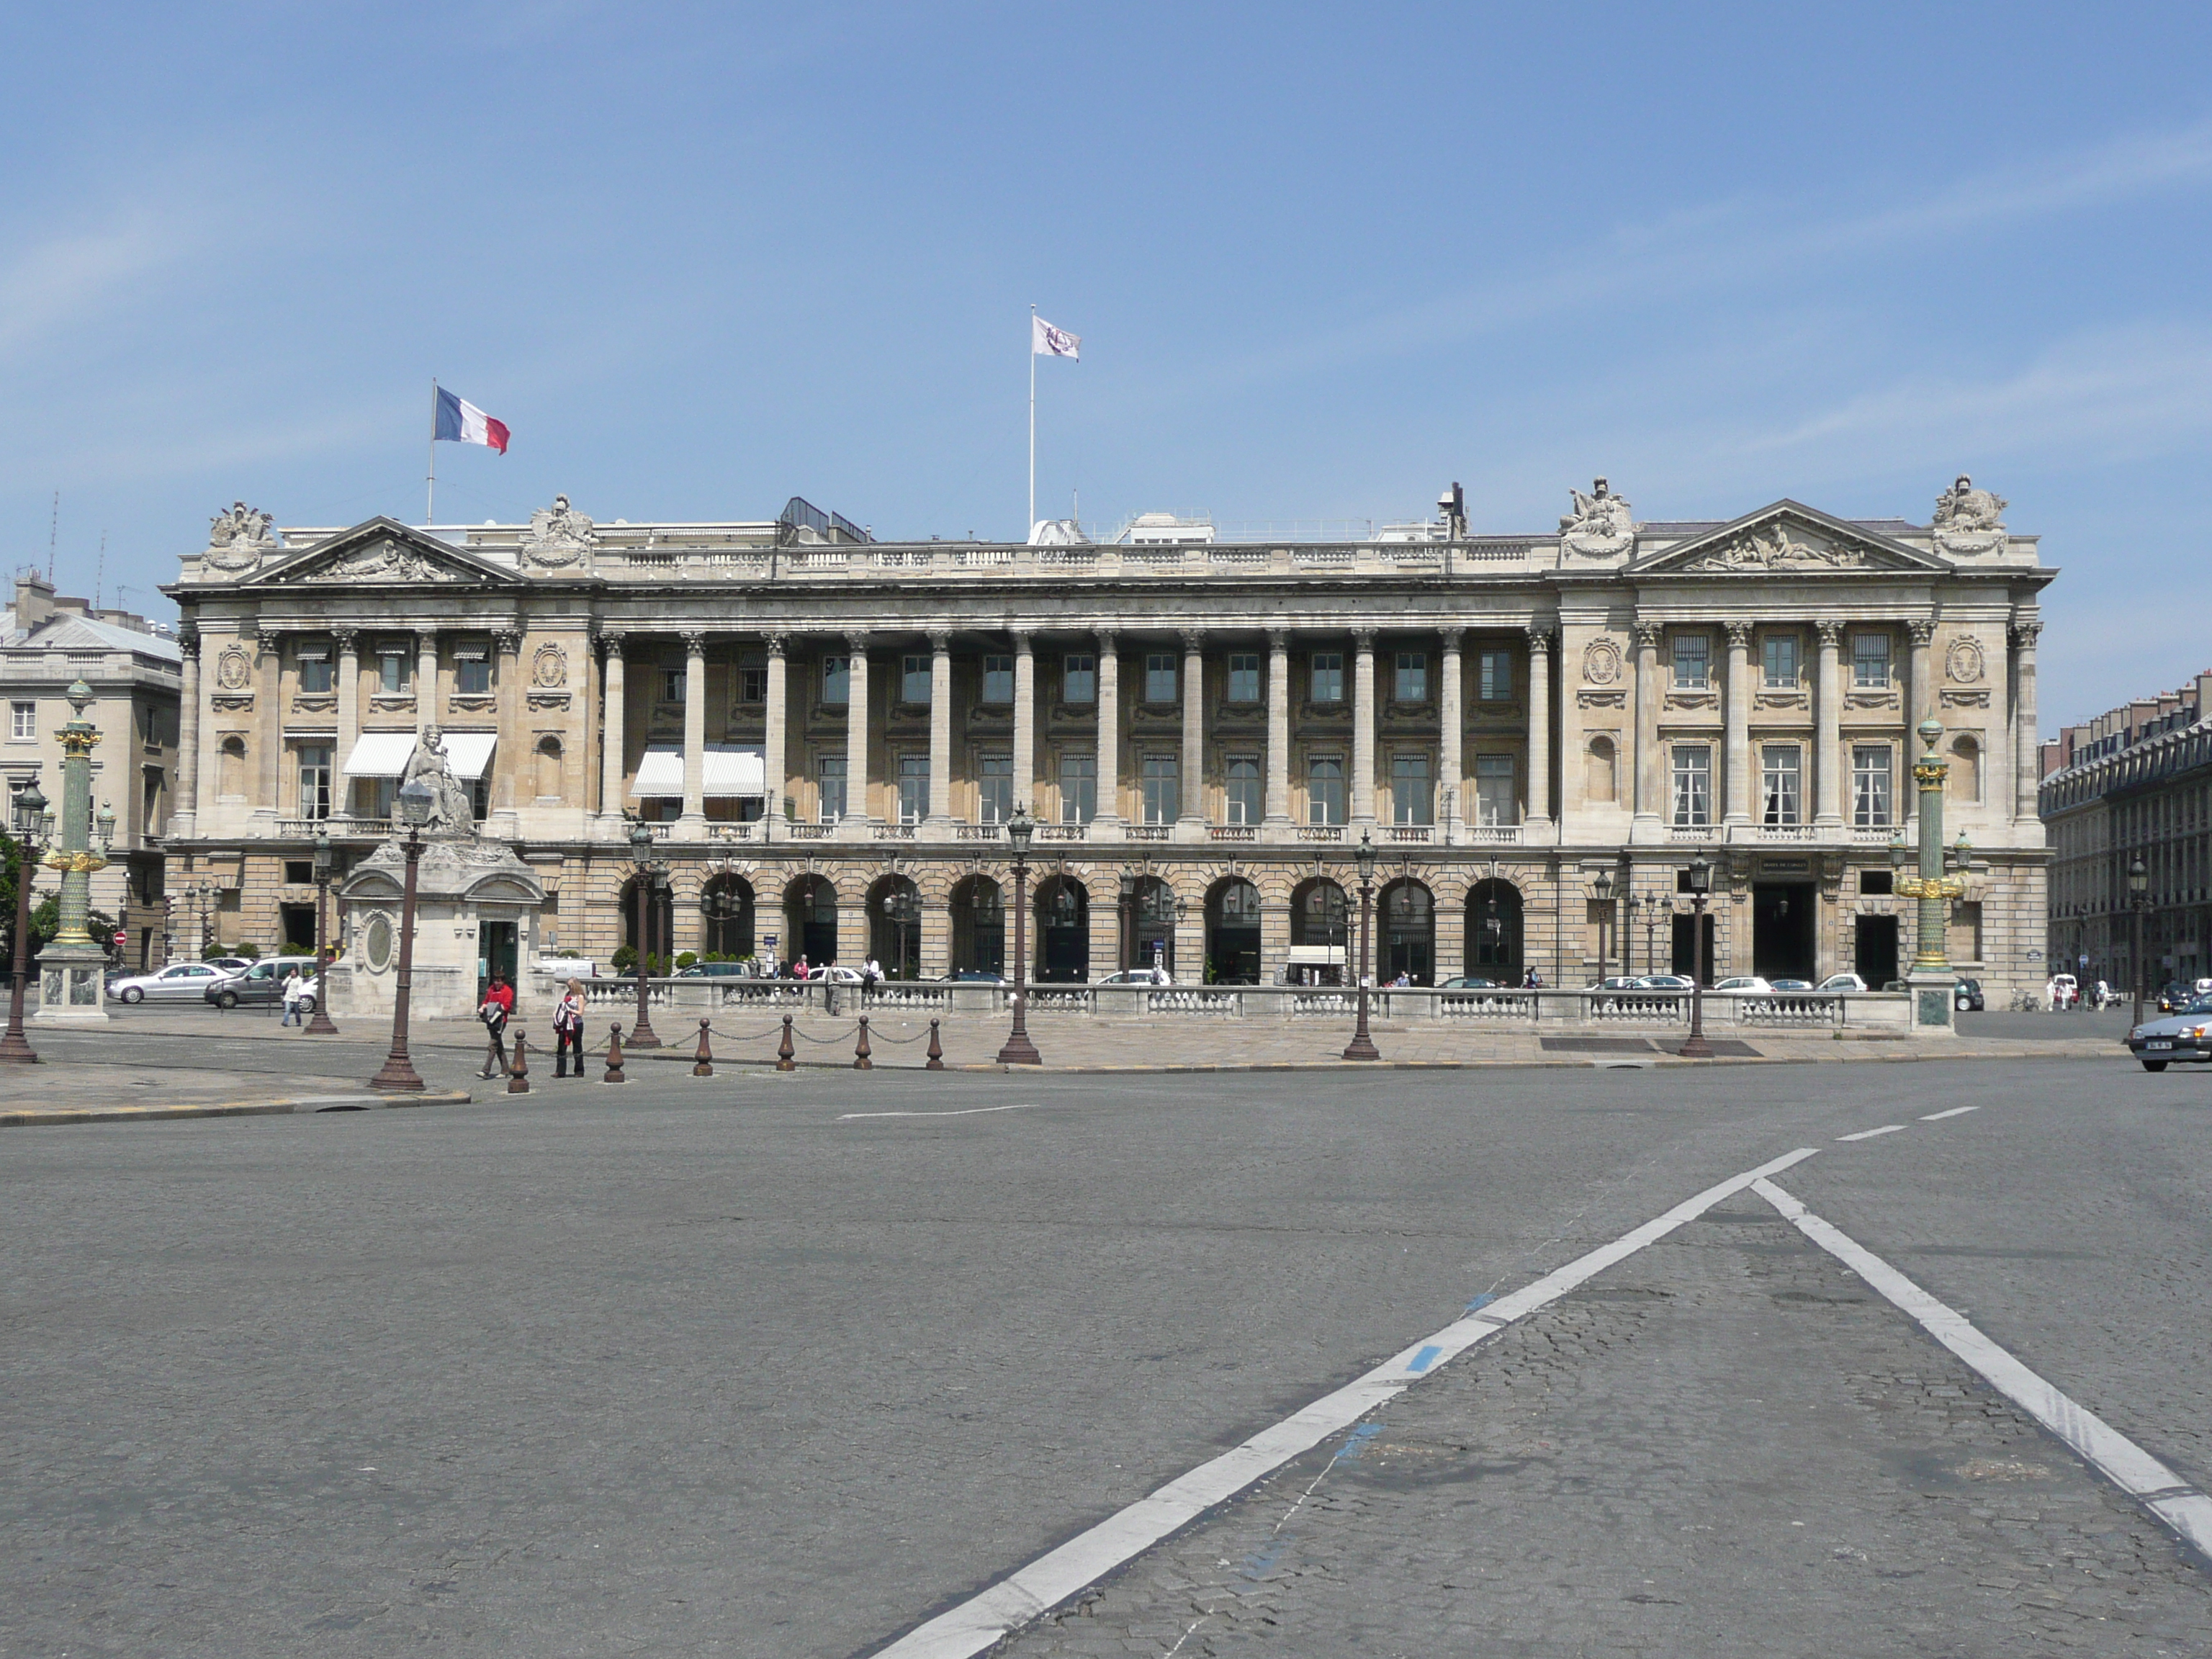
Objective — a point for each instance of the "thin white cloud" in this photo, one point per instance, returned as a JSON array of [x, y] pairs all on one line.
[[70, 279]]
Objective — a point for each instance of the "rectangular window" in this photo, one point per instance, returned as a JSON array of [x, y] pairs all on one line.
[[752, 684], [472, 670], [1694, 785], [831, 773], [1160, 677], [1243, 676], [1495, 799], [1493, 674], [1243, 802], [672, 684], [836, 681], [1079, 678], [1780, 651], [395, 669], [314, 669], [914, 788], [314, 780], [1325, 679], [1870, 661], [1078, 788], [1410, 682], [1781, 766], [1693, 660], [299, 872], [1870, 785], [999, 681], [914, 681], [994, 789], [1163, 791], [1325, 789], [23, 719], [1412, 800]]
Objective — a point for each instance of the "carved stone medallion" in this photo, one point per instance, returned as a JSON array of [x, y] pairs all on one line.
[[239, 537], [1963, 662], [558, 535], [233, 672], [1601, 662], [1602, 525], [549, 668]]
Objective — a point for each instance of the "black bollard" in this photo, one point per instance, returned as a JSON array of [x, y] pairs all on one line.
[[703, 1061], [613, 1056], [783, 1061], [936, 1062], [860, 1061], [517, 1075]]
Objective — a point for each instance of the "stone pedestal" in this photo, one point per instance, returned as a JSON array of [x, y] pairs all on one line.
[[463, 887], [1933, 991], [72, 985]]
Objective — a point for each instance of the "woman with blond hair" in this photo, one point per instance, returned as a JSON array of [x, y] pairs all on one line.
[[568, 1029]]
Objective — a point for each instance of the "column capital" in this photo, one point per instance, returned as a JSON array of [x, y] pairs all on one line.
[[1647, 635], [508, 641], [1107, 637], [1194, 640], [940, 639], [1021, 639], [346, 637], [188, 639], [2027, 632], [1539, 639], [1363, 638], [1923, 630], [695, 642], [1452, 638], [608, 639], [856, 641], [268, 639], [1830, 633], [775, 643], [427, 631], [1739, 635], [1278, 638]]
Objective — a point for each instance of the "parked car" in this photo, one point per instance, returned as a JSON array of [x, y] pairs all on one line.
[[1472, 982], [1138, 977], [2185, 1034], [568, 967], [262, 982], [182, 982], [1843, 982], [1754, 984], [1966, 996], [710, 970], [1616, 982], [1790, 984], [1665, 982], [834, 972], [972, 976]]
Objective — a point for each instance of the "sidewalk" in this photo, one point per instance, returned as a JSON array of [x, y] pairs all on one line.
[[74, 1092]]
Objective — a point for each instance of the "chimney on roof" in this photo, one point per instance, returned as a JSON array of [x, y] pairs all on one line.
[[34, 599], [2050, 756], [2203, 692]]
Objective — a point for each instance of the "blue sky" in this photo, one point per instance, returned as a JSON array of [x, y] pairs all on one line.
[[1324, 260]]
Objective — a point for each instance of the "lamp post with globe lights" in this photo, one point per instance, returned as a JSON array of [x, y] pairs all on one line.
[[321, 1024], [2138, 901], [1701, 883], [32, 825], [397, 1075], [641, 1034], [72, 968], [1603, 886], [1018, 1050], [1362, 1046]]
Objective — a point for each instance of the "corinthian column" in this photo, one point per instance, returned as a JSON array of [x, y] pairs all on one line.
[[1735, 735], [1828, 728], [348, 643], [613, 695], [1650, 823], [1918, 695], [509, 761], [1278, 727], [1109, 734], [268, 798], [1025, 722], [855, 824], [2027, 761], [1363, 726], [183, 822], [426, 679], [1194, 730], [1451, 765], [1539, 829], [774, 744], [940, 727]]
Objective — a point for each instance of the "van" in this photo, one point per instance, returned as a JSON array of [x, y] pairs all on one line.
[[262, 982]]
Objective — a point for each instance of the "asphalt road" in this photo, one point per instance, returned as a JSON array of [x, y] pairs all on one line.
[[719, 1368]]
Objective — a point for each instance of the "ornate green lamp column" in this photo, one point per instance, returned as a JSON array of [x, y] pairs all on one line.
[[1931, 978], [73, 969]]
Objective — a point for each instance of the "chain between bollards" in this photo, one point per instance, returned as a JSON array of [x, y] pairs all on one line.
[[613, 1056], [702, 1064], [517, 1074], [862, 1062]]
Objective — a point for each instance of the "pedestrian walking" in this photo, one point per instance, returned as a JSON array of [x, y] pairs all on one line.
[[568, 1029], [498, 1005], [296, 992]]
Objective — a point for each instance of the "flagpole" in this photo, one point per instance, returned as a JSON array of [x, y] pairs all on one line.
[[1030, 523], [430, 507]]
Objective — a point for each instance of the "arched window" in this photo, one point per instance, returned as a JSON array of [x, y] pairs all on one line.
[[1600, 772], [725, 907], [1965, 771], [548, 783]]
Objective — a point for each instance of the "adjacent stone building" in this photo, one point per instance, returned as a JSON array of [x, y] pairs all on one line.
[[2134, 783], [827, 734], [47, 642]]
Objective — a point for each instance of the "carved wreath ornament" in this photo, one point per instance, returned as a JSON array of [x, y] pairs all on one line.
[[232, 671], [1601, 662], [549, 668], [1962, 662]]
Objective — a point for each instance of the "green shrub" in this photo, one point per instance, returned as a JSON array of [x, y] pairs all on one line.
[[624, 958], [686, 959]]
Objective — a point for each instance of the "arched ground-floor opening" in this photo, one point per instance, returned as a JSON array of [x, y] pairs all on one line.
[[1493, 931], [979, 926], [895, 927], [1232, 933], [1319, 934], [1062, 930], [810, 922], [1407, 946], [659, 919], [725, 916], [1684, 944], [1155, 908]]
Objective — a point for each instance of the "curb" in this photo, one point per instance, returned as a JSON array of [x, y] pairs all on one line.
[[360, 1102]]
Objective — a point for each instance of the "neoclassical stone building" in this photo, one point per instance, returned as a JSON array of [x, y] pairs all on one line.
[[826, 734]]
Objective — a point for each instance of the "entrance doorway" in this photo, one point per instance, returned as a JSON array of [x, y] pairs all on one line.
[[495, 952], [1409, 934], [1781, 929], [1232, 933], [1156, 924], [1874, 957], [1493, 931], [1063, 930], [810, 909], [1685, 961]]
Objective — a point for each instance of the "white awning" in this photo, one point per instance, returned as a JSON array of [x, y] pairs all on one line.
[[731, 770], [1317, 955], [380, 755], [469, 752]]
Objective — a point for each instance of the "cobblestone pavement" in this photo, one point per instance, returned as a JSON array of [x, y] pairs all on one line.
[[1727, 1445]]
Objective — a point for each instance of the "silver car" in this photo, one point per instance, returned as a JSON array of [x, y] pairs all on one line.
[[181, 981]]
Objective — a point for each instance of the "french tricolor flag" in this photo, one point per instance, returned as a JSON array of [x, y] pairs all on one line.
[[462, 422]]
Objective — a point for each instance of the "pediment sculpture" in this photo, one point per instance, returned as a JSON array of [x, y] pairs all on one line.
[[1969, 520], [387, 560], [1602, 525], [239, 537], [558, 535], [1772, 547]]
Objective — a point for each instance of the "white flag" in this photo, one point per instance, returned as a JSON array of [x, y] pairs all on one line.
[[1046, 341]]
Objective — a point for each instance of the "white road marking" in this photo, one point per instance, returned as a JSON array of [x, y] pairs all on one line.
[[1937, 1117], [1869, 1134], [2125, 1464], [965, 1111], [976, 1624]]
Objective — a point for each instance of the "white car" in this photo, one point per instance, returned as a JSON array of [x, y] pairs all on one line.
[[832, 973], [1843, 982], [1138, 977], [182, 982], [1754, 984]]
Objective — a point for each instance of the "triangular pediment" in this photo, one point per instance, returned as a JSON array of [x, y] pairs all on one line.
[[1787, 539], [381, 552]]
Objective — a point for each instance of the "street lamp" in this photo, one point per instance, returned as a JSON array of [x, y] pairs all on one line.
[[321, 1024], [2138, 901], [904, 910], [30, 823], [1701, 883], [399, 1075], [1603, 887], [641, 1034], [1362, 1046], [1018, 1050]]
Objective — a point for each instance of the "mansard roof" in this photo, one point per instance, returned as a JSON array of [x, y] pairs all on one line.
[[1790, 538], [382, 551]]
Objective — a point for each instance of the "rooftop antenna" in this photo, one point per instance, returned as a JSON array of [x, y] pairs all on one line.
[[53, 525], [99, 573]]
